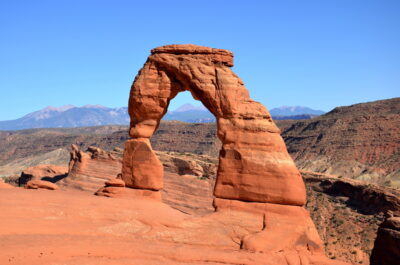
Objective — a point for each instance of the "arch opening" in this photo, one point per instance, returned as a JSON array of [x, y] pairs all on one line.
[[189, 156]]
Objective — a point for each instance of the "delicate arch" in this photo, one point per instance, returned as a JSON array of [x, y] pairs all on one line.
[[254, 164]]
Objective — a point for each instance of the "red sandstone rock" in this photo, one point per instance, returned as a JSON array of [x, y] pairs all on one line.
[[254, 163], [115, 183], [40, 184], [141, 168], [387, 244], [50, 173], [96, 230], [124, 192], [88, 170]]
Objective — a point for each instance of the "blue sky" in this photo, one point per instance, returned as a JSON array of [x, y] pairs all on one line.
[[319, 54]]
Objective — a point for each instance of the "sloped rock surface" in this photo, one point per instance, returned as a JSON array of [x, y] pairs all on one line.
[[360, 141], [4, 185], [39, 227]]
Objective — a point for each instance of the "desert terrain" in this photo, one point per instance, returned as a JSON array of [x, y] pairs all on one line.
[[225, 194]]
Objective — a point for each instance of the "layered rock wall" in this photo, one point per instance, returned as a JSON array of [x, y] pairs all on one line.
[[88, 170]]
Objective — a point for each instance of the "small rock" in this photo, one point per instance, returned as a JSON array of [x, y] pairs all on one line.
[[40, 184], [115, 183]]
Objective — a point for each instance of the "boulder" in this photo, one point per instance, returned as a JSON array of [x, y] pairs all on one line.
[[50, 173], [40, 184], [115, 183], [386, 249], [115, 188]]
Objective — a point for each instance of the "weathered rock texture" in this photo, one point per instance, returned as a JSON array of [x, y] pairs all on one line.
[[50, 173], [40, 184], [72, 227], [347, 213], [189, 164], [115, 188], [360, 141], [255, 175], [88, 170], [387, 244], [253, 165]]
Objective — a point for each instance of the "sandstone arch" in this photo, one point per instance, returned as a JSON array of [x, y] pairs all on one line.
[[254, 164]]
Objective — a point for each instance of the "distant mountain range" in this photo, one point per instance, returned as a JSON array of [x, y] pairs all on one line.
[[190, 113], [68, 116], [294, 111], [95, 115]]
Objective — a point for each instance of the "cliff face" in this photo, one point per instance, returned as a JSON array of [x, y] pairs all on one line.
[[387, 244], [347, 213], [361, 141]]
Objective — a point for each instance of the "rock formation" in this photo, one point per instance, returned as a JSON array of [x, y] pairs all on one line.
[[115, 188], [88, 170], [360, 141], [387, 244], [255, 172], [347, 213], [253, 165], [50, 173], [40, 184], [189, 164]]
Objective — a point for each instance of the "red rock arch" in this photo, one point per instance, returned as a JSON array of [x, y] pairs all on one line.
[[254, 164]]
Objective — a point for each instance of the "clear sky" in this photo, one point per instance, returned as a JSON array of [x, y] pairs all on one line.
[[319, 54]]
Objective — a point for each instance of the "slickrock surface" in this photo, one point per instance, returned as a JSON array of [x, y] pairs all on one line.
[[254, 164], [50, 173], [72, 227], [4, 185]]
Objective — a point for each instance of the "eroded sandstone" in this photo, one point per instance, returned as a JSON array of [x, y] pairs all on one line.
[[89, 170], [50, 173], [254, 164], [255, 175]]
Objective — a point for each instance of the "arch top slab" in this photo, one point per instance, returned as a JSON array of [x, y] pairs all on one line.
[[254, 164]]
